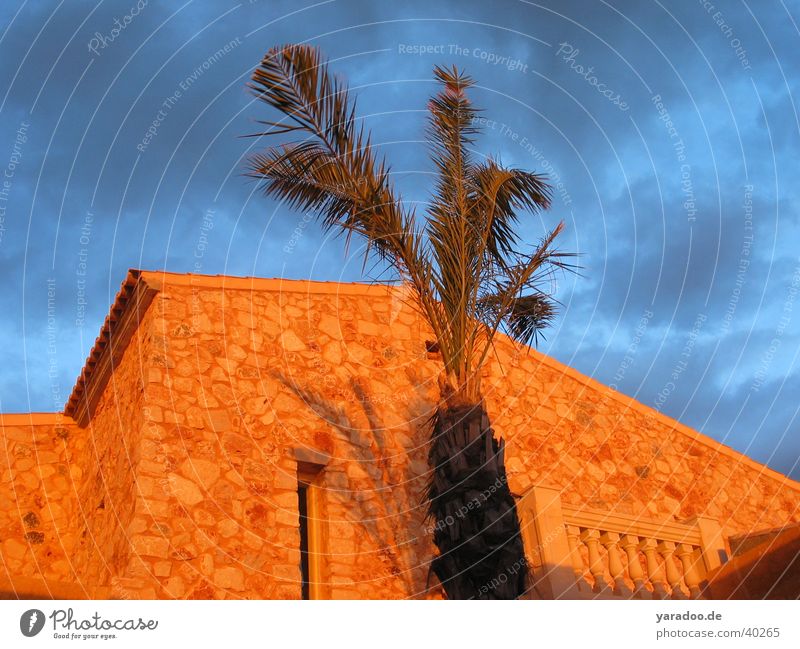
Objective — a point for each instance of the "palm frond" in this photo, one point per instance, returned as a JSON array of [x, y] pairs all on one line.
[[294, 79], [508, 298], [304, 175], [456, 259], [497, 195], [525, 318], [334, 171]]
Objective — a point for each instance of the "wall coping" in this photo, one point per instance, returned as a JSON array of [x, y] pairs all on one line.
[[35, 419], [159, 279]]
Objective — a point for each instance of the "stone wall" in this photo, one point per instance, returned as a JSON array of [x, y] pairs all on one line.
[[246, 384], [38, 506], [110, 451], [607, 451], [188, 470]]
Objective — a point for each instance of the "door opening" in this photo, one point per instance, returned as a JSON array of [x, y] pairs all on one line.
[[309, 509]]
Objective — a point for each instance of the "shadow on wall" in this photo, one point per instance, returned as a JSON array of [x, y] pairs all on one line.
[[380, 486]]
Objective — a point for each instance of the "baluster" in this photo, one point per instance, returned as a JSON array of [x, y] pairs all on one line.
[[655, 574], [573, 539], [611, 542], [592, 539], [690, 574], [630, 544], [674, 577]]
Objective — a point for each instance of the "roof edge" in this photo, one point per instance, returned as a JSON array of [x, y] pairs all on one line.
[[158, 279], [130, 303]]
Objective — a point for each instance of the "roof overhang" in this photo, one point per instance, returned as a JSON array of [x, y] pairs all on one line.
[[132, 300]]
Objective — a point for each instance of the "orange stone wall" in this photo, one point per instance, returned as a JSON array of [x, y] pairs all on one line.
[[244, 383], [38, 506], [606, 451], [195, 443], [110, 453]]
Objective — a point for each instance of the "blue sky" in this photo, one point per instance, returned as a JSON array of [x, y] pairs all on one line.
[[676, 154]]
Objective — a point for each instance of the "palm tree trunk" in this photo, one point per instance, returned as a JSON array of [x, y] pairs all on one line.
[[476, 529]]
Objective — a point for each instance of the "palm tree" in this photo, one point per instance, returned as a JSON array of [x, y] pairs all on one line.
[[463, 263]]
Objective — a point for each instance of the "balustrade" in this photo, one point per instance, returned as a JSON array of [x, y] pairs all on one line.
[[589, 553]]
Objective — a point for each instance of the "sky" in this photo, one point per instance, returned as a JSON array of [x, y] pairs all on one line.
[[670, 132]]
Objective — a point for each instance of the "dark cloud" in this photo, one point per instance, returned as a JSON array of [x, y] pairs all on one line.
[[142, 135]]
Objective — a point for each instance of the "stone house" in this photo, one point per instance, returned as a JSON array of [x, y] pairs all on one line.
[[262, 438]]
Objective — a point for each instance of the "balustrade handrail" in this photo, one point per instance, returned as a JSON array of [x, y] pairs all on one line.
[[678, 532]]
